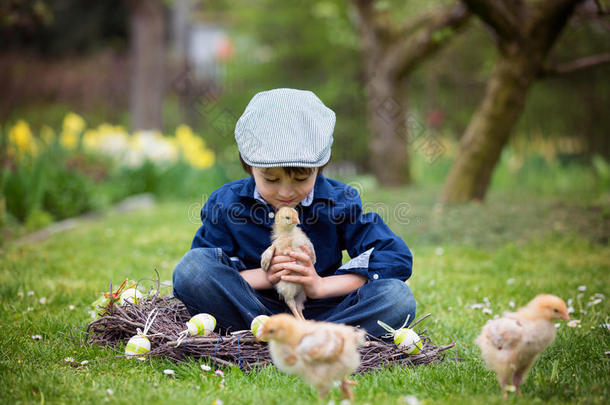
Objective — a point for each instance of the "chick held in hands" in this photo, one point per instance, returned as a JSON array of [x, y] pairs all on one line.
[[319, 352], [511, 345], [286, 238]]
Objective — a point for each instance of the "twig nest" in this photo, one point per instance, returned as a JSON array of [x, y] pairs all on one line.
[[201, 325], [408, 341], [138, 346], [257, 325], [131, 296]]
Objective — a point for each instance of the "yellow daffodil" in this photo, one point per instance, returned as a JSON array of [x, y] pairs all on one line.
[[68, 140], [73, 123], [91, 139], [21, 138]]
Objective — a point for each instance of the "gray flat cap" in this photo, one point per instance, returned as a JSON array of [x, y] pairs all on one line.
[[285, 127]]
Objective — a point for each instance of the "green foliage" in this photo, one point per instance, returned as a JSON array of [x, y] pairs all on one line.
[[23, 188], [67, 193], [173, 181]]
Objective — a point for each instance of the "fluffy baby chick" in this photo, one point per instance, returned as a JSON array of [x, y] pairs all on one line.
[[319, 352], [511, 345], [287, 237]]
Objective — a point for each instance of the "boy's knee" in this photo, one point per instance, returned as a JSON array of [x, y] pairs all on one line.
[[192, 267], [398, 298]]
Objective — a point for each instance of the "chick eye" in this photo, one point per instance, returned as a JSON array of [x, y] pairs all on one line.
[[555, 310], [287, 217]]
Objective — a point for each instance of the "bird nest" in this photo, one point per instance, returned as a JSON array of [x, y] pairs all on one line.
[[117, 324]]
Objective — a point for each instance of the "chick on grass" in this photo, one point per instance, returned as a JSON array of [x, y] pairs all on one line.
[[319, 352], [287, 237], [511, 345]]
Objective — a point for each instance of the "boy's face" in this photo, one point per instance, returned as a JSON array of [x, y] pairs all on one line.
[[281, 190]]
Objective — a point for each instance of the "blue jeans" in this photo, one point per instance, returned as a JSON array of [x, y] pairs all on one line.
[[207, 280]]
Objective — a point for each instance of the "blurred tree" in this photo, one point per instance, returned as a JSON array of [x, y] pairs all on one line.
[[391, 52], [148, 59], [305, 45], [524, 33], [56, 27]]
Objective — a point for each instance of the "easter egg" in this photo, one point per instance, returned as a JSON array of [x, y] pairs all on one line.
[[257, 325], [201, 325], [137, 345], [131, 296], [408, 341]]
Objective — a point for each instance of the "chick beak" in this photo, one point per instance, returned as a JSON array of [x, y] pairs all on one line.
[[565, 316], [261, 336], [295, 219]]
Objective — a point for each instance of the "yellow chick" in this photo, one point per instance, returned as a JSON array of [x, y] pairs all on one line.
[[319, 352], [511, 345], [287, 237]]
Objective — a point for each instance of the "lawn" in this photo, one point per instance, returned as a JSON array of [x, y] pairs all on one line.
[[509, 249]]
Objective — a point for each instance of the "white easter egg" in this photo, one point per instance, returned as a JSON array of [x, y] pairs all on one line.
[[201, 325], [257, 325], [131, 296], [408, 341], [138, 345]]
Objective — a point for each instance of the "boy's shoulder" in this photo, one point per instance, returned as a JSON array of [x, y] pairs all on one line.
[[336, 191]]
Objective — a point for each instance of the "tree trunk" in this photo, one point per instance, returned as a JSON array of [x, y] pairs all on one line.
[[489, 129], [390, 53], [386, 109], [525, 33], [148, 59]]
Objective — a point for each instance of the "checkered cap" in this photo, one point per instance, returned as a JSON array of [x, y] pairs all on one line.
[[285, 127]]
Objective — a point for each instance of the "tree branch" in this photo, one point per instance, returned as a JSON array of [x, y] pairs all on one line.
[[496, 14], [406, 53], [370, 21], [548, 19], [575, 65]]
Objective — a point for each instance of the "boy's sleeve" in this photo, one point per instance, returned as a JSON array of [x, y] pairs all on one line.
[[375, 250], [214, 232]]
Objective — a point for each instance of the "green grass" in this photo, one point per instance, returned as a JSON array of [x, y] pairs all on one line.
[[462, 255]]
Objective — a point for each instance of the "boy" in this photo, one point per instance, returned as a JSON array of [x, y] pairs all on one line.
[[284, 138]]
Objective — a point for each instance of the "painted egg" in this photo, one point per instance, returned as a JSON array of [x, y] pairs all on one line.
[[137, 346], [257, 325], [201, 325], [408, 341], [131, 296]]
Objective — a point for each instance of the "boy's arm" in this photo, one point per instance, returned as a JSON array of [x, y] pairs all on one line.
[[213, 233], [376, 251], [303, 272], [257, 278]]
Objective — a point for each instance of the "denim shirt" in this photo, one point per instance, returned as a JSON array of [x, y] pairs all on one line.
[[239, 224]]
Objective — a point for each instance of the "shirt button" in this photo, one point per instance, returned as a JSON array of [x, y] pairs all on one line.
[[375, 276], [271, 215]]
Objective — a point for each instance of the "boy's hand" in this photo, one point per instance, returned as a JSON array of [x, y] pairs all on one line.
[[276, 267], [307, 275]]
